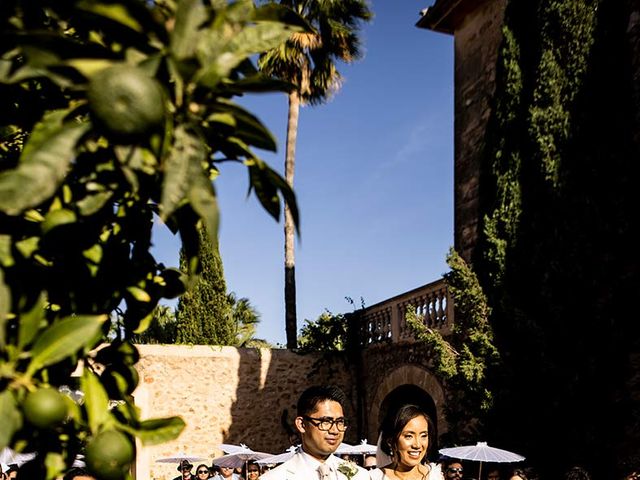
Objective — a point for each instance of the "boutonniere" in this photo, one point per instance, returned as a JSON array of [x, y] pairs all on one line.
[[348, 469]]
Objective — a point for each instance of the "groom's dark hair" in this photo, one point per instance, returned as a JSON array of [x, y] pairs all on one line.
[[312, 396]]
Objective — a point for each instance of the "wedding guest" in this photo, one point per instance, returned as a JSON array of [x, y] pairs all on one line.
[[577, 473], [202, 472], [321, 424], [185, 469], [453, 469], [252, 471], [370, 462], [405, 437]]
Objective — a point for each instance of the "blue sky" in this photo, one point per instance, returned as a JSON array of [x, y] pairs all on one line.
[[374, 182]]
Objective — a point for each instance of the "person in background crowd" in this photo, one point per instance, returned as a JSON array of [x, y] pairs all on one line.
[[321, 423], [405, 438], [227, 473], [78, 473], [493, 473], [202, 472], [12, 471], [252, 471], [185, 469], [370, 462], [453, 469], [577, 473], [518, 474]]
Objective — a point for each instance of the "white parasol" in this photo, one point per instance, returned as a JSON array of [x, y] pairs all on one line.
[[179, 458], [363, 448], [11, 457], [279, 458], [343, 449], [239, 457], [481, 452]]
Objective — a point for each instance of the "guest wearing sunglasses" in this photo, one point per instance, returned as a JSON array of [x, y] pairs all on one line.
[[370, 462], [453, 470], [202, 472], [321, 424]]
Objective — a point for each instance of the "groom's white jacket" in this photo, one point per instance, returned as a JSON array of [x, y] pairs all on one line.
[[303, 467]]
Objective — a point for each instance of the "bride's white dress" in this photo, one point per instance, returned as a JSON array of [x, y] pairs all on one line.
[[435, 473]]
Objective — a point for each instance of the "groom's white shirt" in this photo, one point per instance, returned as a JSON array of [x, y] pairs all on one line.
[[303, 466]]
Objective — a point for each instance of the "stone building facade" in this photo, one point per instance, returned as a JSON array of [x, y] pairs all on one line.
[[476, 28]]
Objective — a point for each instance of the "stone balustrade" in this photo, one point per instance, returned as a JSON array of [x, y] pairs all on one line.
[[385, 322]]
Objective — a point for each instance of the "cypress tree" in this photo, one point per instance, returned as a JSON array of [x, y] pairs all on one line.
[[203, 313]]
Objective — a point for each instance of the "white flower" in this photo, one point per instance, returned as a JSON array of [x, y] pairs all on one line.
[[348, 469]]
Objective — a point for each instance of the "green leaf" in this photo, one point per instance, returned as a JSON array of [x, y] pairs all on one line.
[[96, 400], [11, 418], [184, 160], [55, 465], [6, 258], [64, 338], [139, 294], [274, 12], [159, 430], [202, 197], [248, 127], [93, 202], [190, 16], [5, 307], [43, 164], [112, 10], [259, 38], [267, 183], [30, 322], [144, 323], [88, 67]]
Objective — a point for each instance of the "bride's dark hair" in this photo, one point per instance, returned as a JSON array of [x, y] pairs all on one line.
[[394, 423]]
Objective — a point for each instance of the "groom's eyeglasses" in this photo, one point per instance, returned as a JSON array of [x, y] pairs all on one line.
[[326, 423]]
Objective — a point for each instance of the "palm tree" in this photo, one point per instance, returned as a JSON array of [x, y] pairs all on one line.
[[308, 62]]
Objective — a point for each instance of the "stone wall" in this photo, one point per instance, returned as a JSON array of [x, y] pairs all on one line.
[[477, 39], [227, 395]]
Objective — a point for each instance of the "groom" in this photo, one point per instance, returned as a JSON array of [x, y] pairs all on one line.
[[321, 425]]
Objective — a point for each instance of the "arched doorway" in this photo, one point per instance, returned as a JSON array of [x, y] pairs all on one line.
[[407, 384], [405, 394]]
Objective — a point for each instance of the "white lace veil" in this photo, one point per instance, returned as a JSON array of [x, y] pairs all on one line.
[[382, 459]]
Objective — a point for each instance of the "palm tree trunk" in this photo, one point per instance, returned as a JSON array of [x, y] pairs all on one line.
[[291, 320]]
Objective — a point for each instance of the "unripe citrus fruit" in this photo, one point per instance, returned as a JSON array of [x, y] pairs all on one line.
[[126, 101], [45, 408], [109, 455]]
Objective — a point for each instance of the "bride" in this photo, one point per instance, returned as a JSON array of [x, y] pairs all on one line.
[[403, 446]]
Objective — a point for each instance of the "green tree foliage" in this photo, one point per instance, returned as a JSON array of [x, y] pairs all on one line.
[[244, 318], [327, 333], [466, 357], [203, 312], [163, 329], [557, 258], [308, 62], [79, 192]]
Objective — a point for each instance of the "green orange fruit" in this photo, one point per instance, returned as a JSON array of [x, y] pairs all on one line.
[[109, 455], [126, 101], [45, 408]]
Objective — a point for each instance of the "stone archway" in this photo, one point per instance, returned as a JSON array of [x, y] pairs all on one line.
[[419, 384]]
